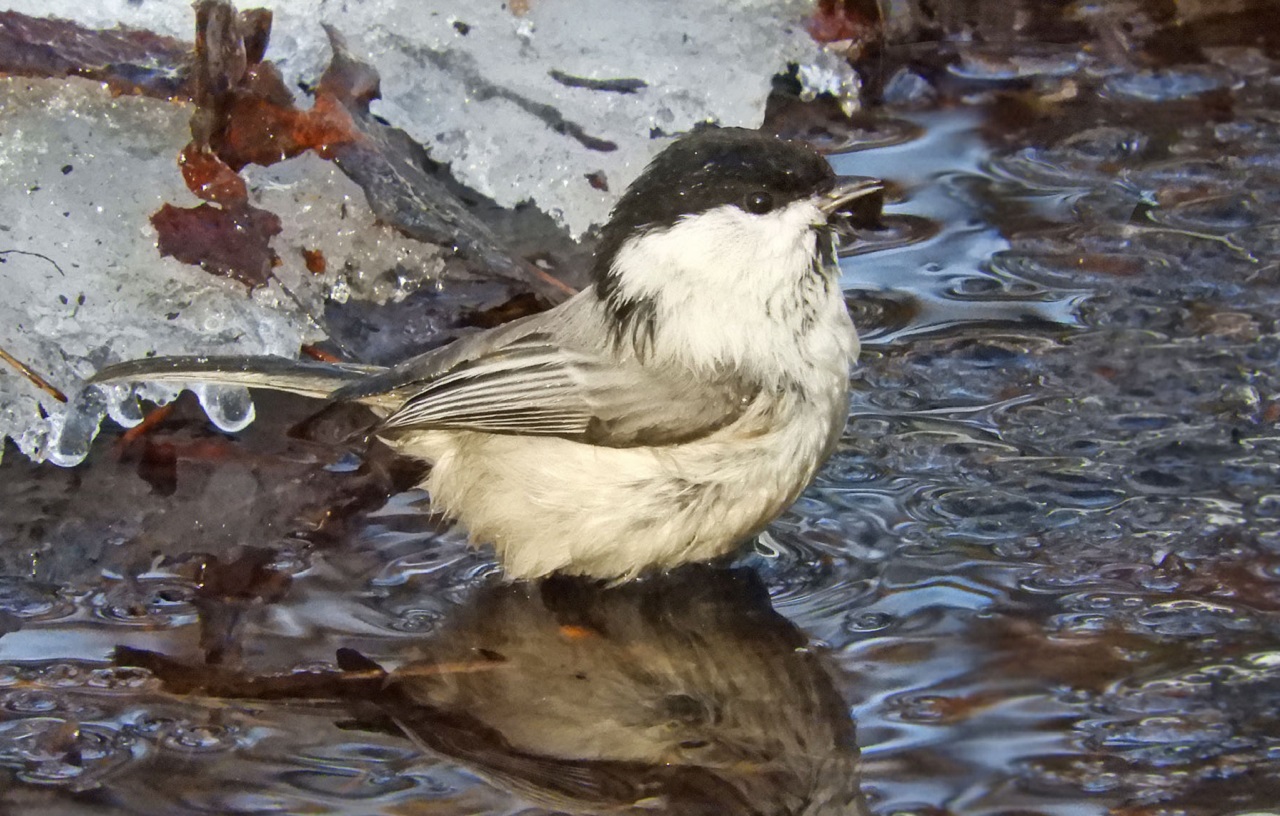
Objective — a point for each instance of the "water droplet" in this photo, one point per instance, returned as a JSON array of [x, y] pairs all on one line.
[[157, 602], [229, 407], [60, 752], [122, 405], [78, 428], [62, 675], [121, 678], [27, 701]]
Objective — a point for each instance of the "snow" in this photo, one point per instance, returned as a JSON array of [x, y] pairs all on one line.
[[485, 101], [81, 172]]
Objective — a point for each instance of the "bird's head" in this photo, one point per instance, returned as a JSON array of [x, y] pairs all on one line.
[[724, 214]]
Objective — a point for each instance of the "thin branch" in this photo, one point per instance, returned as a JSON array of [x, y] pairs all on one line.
[[4, 252], [36, 379]]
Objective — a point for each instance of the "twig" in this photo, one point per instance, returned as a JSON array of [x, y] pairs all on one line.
[[36, 379], [549, 279], [435, 669], [33, 255], [144, 427]]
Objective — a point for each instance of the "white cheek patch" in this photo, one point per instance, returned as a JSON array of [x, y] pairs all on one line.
[[729, 288], [721, 247]]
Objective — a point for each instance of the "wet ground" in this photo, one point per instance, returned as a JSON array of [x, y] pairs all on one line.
[[1040, 576]]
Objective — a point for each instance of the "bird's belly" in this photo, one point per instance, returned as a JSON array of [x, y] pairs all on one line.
[[552, 505]]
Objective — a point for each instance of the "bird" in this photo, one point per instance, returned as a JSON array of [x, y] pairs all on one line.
[[665, 413]]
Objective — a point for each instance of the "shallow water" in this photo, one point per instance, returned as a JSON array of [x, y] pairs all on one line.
[[1041, 575]]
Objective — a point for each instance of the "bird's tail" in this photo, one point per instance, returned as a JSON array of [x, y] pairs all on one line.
[[311, 379]]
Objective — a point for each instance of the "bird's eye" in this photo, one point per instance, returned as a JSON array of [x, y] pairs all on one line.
[[758, 202]]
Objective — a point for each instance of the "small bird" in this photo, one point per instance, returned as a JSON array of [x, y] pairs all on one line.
[[663, 414]]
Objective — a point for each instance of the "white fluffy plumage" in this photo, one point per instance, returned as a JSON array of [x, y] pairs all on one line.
[[731, 290]]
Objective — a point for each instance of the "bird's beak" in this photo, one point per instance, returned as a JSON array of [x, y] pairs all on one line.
[[846, 190]]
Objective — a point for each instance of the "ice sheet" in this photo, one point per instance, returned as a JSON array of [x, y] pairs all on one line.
[[81, 173], [477, 82]]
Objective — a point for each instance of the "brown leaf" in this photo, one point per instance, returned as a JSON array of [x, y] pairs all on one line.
[[232, 242], [210, 178]]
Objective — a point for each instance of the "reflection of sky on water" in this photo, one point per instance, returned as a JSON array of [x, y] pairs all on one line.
[[946, 274]]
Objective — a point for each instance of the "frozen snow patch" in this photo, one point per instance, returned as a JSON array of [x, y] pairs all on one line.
[[500, 95], [81, 172]]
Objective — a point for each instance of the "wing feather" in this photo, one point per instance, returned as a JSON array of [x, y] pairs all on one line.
[[545, 390], [540, 376], [517, 390]]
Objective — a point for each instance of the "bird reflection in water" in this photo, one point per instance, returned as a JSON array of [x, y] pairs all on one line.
[[684, 694]]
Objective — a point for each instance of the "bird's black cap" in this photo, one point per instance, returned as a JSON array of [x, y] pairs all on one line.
[[709, 168], [714, 166]]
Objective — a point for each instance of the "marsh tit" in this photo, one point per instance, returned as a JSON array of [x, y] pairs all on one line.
[[662, 415]]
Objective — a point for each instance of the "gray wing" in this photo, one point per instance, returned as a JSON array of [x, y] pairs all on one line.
[[528, 379]]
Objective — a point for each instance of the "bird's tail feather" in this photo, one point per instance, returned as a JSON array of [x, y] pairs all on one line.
[[311, 379]]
